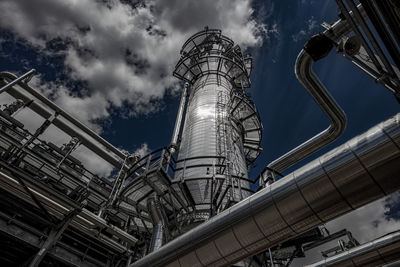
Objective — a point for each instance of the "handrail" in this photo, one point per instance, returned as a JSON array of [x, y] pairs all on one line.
[[64, 126]]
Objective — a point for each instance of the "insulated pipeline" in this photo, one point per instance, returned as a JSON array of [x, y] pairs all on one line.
[[356, 173], [383, 250]]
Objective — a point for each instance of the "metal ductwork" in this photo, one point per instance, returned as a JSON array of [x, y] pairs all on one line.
[[159, 224], [378, 252], [309, 80], [356, 173], [315, 49]]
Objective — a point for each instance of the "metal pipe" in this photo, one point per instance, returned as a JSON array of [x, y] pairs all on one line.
[[358, 172], [357, 18], [159, 226], [178, 121], [67, 116], [308, 79], [392, 264], [62, 125], [391, 17], [383, 250], [316, 89], [16, 80], [270, 258], [59, 207], [381, 29]]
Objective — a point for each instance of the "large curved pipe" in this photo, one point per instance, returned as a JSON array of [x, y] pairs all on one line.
[[378, 252], [363, 169], [316, 89], [319, 47]]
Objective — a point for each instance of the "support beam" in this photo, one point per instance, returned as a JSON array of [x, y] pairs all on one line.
[[53, 237]]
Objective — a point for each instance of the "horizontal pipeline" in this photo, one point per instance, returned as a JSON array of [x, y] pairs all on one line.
[[358, 172], [383, 250]]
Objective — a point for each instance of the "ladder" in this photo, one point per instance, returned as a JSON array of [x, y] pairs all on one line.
[[223, 143]]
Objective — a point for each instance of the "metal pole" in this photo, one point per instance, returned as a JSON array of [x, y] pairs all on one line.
[[270, 258], [116, 160], [53, 237], [17, 80], [67, 116], [178, 121]]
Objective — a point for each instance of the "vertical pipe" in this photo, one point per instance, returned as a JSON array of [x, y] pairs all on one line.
[[270, 257], [178, 122], [159, 225]]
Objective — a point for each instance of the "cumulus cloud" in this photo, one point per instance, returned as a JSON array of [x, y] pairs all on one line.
[[123, 53], [392, 207], [87, 108], [119, 55], [366, 223], [143, 150]]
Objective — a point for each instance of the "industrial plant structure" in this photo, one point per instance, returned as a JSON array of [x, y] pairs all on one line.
[[192, 203]]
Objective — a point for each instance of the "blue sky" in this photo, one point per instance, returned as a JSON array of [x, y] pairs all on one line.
[[75, 52]]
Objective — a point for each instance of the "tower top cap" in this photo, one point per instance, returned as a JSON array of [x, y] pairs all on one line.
[[210, 52]]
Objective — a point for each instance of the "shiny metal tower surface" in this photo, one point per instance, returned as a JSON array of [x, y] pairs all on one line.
[[222, 131]]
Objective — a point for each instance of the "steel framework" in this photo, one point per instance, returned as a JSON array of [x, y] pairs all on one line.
[[192, 202]]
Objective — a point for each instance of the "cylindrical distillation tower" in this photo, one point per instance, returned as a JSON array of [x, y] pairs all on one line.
[[222, 131]]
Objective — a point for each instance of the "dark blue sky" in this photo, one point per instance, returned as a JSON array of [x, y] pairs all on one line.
[[288, 113]]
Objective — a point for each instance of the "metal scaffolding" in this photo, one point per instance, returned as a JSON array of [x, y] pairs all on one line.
[[192, 203]]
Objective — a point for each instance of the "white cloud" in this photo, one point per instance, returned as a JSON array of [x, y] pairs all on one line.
[[143, 150], [366, 223], [92, 162], [88, 108], [312, 25], [123, 53]]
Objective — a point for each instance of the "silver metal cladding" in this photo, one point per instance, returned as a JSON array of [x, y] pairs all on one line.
[[363, 169], [212, 161], [201, 151]]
